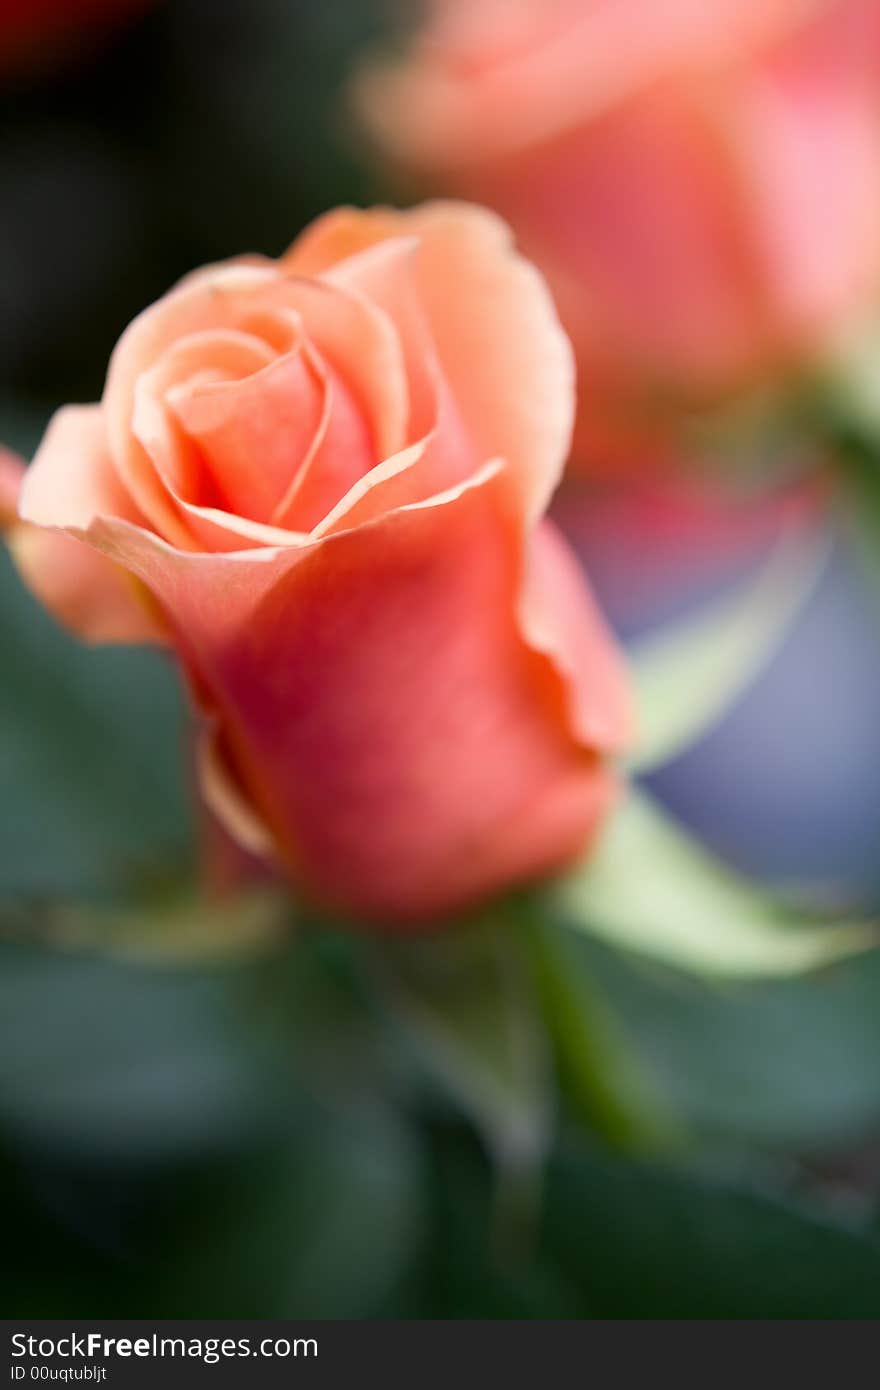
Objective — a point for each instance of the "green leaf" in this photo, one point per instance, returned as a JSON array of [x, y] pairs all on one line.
[[323, 1221], [464, 998], [625, 1239], [91, 748], [789, 1064], [325, 1224], [842, 412], [649, 887], [56, 1264], [600, 1073], [112, 1058], [91, 759], [858, 507], [644, 1243], [843, 405], [464, 1274], [690, 673], [183, 928]]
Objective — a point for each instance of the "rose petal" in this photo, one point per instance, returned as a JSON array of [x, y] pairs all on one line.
[[638, 222], [443, 108], [71, 482], [442, 454], [451, 773], [388, 274], [176, 461], [210, 300], [254, 433], [806, 132], [196, 360], [357, 339], [341, 454], [497, 336], [344, 328], [561, 619]]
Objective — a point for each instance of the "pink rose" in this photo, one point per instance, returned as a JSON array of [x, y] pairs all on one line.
[[700, 182], [321, 480]]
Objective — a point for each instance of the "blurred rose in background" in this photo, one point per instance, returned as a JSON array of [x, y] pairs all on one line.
[[699, 182]]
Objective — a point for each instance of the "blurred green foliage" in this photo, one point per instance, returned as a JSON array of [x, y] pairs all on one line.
[[256, 1139], [91, 761]]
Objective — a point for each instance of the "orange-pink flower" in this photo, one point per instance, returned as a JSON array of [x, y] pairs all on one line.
[[322, 480], [699, 181]]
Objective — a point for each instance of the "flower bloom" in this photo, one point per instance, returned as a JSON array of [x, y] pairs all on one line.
[[322, 481], [700, 182]]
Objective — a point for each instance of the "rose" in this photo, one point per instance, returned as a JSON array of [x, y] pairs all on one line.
[[699, 182], [321, 480]]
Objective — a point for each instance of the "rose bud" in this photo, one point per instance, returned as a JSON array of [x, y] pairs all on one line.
[[322, 481], [699, 182]]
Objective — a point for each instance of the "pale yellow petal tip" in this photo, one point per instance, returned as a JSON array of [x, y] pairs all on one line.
[[227, 802]]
